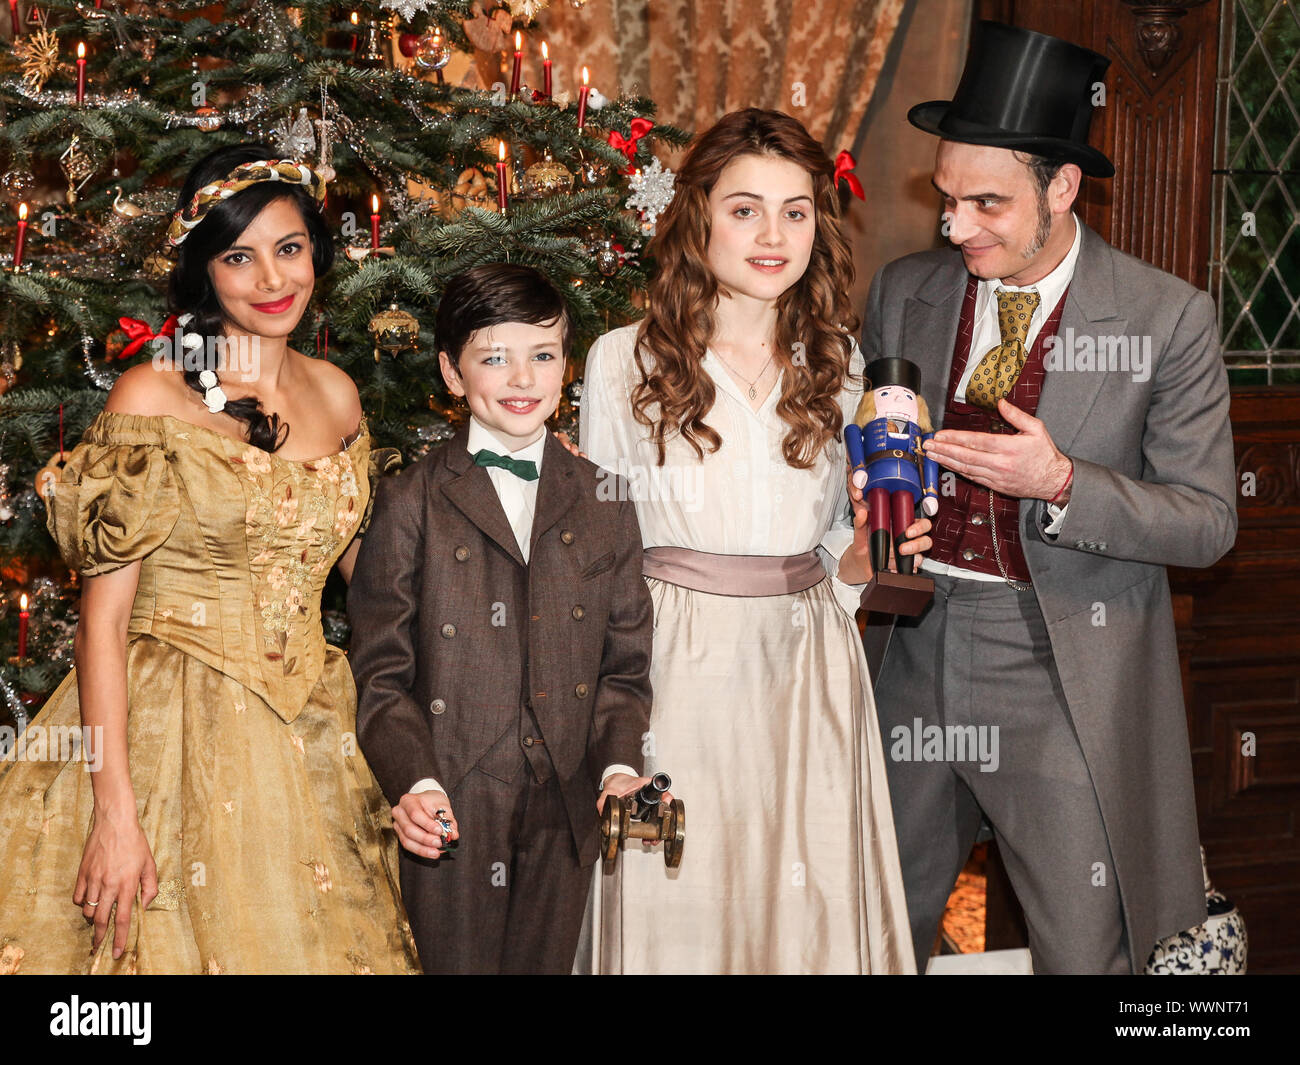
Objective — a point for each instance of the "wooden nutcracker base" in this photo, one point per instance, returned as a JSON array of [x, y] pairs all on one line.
[[897, 593]]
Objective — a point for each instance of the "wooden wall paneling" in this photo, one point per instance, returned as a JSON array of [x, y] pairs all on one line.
[[1245, 682]]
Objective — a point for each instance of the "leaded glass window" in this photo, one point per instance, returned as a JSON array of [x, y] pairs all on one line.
[[1256, 269]]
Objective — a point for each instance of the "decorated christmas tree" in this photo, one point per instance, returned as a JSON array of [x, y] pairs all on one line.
[[444, 145]]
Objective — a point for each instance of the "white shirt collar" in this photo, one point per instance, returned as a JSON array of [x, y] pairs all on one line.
[[1053, 286], [482, 438]]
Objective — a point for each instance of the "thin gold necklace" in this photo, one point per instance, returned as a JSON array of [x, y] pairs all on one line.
[[753, 393]]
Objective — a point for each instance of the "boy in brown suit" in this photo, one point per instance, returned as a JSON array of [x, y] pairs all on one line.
[[501, 636]]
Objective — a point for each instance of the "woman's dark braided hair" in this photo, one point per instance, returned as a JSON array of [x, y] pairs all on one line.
[[190, 289]]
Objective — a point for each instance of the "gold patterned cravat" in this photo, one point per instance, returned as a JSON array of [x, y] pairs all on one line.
[[998, 371]]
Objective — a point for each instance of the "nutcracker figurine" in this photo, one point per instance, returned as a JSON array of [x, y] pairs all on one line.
[[895, 475]]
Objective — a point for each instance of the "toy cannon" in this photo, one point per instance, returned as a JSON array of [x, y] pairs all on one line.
[[644, 816]]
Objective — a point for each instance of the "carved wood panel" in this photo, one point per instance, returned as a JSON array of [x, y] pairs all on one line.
[[1157, 124]]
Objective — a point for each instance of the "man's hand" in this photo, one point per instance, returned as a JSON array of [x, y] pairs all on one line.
[[855, 563], [1024, 465], [416, 819]]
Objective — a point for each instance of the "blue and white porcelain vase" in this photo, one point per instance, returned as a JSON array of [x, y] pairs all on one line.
[[1216, 948]]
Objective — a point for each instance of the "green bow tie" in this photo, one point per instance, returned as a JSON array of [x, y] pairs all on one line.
[[525, 468]]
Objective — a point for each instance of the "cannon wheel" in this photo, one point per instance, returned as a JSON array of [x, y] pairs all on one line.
[[613, 830], [675, 834]]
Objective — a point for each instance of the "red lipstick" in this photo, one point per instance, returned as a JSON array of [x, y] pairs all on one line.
[[278, 307]]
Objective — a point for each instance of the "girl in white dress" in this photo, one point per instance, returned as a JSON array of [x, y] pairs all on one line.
[[723, 408]]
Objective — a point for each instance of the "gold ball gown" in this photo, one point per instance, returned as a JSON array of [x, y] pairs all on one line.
[[273, 843]]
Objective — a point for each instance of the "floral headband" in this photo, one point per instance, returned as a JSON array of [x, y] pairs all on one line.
[[183, 221]]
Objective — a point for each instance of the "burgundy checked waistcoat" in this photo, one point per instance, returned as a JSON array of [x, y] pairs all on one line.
[[962, 532]]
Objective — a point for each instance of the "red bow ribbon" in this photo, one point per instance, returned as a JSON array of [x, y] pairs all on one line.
[[627, 145], [844, 164], [141, 334]]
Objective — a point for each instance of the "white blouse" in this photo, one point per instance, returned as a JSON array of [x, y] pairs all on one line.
[[743, 499]]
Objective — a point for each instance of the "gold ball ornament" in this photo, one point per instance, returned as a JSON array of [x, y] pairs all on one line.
[[49, 475], [209, 120], [393, 330], [546, 177]]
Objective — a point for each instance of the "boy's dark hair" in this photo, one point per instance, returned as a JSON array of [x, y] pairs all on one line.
[[494, 294]]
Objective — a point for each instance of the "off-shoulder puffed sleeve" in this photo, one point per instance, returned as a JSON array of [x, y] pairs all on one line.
[[117, 499]]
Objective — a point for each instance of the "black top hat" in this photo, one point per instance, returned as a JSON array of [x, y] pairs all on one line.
[[1022, 90], [892, 371]]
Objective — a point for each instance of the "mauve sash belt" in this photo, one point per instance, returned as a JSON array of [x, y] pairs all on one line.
[[747, 575]]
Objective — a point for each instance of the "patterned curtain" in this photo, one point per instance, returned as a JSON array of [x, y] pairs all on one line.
[[817, 60]]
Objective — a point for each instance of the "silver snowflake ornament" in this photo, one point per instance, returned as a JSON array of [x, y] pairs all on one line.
[[408, 9], [294, 137], [652, 191]]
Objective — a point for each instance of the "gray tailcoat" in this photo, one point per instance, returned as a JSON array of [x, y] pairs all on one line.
[[1154, 486]]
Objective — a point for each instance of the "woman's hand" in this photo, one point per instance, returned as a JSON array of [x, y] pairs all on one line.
[[855, 564], [569, 445], [115, 864]]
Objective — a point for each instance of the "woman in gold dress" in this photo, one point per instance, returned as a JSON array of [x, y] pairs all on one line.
[[231, 824]]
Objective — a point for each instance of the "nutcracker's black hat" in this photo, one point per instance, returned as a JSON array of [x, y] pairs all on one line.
[[891, 371], [1026, 91]]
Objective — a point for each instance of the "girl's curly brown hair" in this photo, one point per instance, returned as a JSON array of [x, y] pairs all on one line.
[[675, 392]]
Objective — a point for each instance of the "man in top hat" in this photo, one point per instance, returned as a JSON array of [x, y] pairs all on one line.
[[1086, 446]]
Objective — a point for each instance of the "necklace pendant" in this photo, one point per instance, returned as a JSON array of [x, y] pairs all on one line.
[[752, 393]]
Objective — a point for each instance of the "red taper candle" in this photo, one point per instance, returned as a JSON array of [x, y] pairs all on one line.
[[23, 616], [13, 17], [374, 221], [355, 19], [518, 67], [582, 100], [503, 182], [546, 71], [22, 235], [81, 72]]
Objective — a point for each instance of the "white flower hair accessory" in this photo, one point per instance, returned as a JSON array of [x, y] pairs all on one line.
[[213, 397], [187, 341]]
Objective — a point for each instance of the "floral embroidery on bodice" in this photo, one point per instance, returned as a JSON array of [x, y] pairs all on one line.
[[235, 543]]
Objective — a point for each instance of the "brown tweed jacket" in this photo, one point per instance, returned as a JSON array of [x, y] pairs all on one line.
[[455, 638]]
